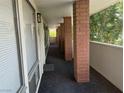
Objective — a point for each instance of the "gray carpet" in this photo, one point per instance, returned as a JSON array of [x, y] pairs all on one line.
[[61, 79]]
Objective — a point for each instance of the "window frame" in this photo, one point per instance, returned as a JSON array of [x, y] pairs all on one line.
[[35, 65], [17, 24], [19, 46]]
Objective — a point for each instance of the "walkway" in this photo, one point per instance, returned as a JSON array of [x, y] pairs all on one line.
[[61, 80]]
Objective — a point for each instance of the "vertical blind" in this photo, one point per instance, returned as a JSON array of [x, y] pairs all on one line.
[[9, 64], [30, 34]]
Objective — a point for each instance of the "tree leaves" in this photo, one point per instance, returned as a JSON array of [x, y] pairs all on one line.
[[106, 26]]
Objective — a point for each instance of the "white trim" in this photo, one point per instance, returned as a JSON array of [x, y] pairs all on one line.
[[22, 89], [21, 20], [32, 71], [38, 85]]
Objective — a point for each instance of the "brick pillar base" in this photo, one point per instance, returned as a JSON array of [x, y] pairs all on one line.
[[68, 38], [81, 40]]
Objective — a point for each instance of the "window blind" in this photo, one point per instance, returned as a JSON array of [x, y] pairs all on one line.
[[9, 64]]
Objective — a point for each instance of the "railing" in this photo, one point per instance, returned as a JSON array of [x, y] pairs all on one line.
[[107, 59]]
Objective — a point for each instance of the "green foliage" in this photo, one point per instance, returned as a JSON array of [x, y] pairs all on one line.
[[106, 26], [52, 33]]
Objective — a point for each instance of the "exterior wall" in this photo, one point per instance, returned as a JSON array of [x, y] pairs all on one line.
[[40, 41], [41, 49], [42, 56], [108, 61], [81, 40]]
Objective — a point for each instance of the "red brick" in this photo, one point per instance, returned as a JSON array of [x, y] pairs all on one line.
[[57, 36], [81, 40], [62, 37], [68, 38]]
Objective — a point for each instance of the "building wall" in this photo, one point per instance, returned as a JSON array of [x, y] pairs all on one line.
[[108, 61], [40, 43], [41, 49]]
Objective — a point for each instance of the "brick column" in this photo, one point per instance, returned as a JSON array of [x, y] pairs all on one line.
[[62, 37], [68, 38], [57, 36], [81, 40]]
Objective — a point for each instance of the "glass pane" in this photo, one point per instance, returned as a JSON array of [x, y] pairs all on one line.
[[30, 34], [9, 64]]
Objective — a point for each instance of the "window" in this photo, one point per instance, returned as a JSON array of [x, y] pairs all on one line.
[[30, 35], [10, 68], [106, 25]]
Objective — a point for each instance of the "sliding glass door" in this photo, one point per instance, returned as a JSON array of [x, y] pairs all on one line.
[[30, 35], [10, 70]]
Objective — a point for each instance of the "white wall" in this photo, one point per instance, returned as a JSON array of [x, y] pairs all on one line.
[[108, 60], [41, 45], [40, 38], [41, 51]]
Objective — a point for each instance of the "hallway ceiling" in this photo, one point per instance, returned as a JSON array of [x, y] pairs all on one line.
[[54, 10]]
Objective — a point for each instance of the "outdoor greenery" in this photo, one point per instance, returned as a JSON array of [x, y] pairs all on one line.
[[52, 33], [106, 26]]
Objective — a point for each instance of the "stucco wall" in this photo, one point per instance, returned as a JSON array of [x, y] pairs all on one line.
[[108, 60], [42, 56], [40, 41]]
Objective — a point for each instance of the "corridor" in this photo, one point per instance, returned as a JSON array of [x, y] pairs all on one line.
[[61, 79]]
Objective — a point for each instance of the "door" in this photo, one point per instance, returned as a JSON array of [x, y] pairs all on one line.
[[30, 35], [10, 73]]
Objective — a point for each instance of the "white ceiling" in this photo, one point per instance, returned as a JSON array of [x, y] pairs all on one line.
[[54, 10]]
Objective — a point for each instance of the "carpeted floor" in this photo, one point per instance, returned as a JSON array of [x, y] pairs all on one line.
[[61, 79]]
